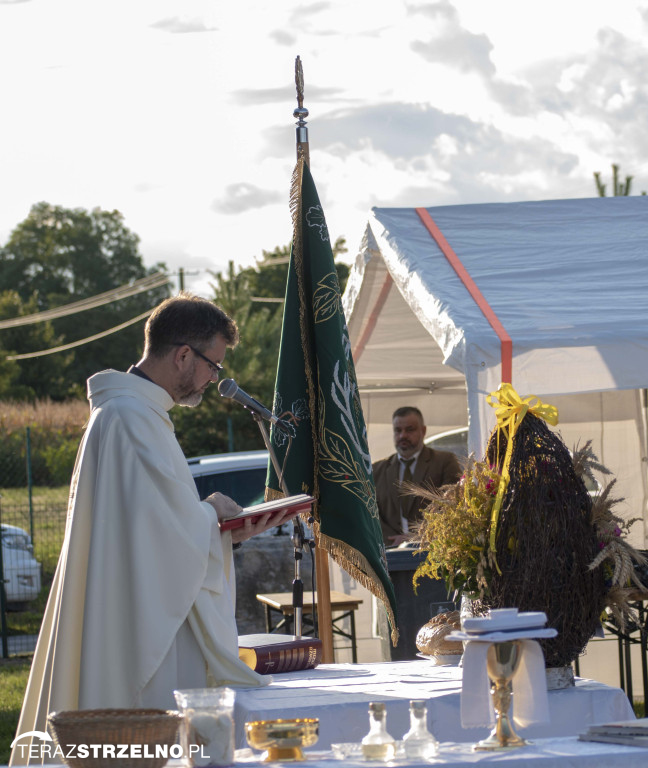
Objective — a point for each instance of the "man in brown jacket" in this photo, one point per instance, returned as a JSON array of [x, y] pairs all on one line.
[[413, 462]]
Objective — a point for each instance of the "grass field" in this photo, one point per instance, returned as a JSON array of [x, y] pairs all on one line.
[[41, 496], [13, 682]]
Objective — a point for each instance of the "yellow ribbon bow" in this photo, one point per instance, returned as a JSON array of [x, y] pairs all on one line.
[[510, 410]]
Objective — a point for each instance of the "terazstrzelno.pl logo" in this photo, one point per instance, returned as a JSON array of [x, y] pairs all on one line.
[[42, 746]]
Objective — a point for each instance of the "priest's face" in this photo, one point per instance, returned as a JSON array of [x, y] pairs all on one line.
[[409, 432], [200, 370]]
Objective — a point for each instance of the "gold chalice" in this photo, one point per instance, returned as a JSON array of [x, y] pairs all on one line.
[[502, 661], [283, 739]]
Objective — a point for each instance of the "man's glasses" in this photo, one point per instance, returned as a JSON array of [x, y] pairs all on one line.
[[215, 368]]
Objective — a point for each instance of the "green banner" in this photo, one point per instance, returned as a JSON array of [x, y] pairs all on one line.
[[316, 393]]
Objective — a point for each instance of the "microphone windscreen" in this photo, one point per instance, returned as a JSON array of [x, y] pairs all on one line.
[[227, 387]]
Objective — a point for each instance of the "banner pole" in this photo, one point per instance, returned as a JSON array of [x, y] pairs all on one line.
[[324, 615], [323, 582]]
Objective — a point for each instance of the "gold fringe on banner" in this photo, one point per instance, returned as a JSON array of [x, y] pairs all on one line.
[[358, 567]]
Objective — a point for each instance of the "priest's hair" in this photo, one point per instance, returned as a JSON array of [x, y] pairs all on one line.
[[187, 319]]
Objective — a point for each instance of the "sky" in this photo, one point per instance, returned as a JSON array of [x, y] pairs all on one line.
[[179, 113]]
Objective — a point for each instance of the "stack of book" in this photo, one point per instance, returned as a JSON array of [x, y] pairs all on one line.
[[631, 732]]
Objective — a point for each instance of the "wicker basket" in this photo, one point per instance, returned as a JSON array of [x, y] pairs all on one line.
[[148, 727]]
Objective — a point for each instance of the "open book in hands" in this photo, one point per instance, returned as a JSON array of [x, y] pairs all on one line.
[[300, 503]]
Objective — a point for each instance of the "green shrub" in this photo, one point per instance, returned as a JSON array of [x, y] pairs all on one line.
[[59, 461], [13, 471]]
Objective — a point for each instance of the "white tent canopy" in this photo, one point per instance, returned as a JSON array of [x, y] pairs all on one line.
[[563, 289]]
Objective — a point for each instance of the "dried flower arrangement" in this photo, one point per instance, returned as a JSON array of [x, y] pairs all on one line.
[[616, 557], [521, 530], [455, 529]]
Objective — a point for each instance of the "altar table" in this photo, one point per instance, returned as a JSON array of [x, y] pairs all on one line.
[[566, 752], [339, 695]]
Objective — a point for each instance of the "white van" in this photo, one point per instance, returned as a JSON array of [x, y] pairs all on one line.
[[22, 572], [239, 475]]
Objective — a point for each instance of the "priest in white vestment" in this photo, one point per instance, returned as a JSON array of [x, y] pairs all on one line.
[[142, 601]]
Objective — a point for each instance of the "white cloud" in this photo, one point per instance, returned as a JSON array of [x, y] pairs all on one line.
[[244, 197], [571, 77], [182, 25], [192, 136], [449, 43]]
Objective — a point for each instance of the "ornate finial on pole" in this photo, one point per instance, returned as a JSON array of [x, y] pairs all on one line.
[[301, 113]]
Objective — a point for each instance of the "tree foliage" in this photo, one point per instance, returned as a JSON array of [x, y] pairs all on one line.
[[60, 255], [619, 188], [267, 279], [26, 379]]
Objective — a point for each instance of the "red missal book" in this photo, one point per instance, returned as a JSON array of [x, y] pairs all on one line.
[[297, 504]]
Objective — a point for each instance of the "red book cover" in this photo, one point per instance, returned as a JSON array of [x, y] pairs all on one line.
[[296, 504]]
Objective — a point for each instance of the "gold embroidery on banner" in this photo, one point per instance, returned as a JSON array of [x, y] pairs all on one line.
[[326, 299], [338, 465]]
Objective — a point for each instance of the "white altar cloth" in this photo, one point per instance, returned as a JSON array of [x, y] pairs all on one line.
[[566, 752], [339, 695]]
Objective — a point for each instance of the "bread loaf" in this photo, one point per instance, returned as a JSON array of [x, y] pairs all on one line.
[[431, 637]]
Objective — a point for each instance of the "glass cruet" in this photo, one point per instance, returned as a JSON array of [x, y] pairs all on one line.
[[418, 742], [378, 744]]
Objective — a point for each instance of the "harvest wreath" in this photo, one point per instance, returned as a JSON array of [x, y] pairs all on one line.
[[521, 530]]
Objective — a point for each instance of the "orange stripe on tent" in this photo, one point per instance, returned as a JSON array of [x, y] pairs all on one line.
[[506, 344], [372, 319]]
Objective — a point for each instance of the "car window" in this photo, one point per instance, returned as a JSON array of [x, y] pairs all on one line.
[[456, 442], [245, 486], [16, 539]]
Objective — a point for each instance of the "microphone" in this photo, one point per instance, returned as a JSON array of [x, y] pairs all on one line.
[[229, 388]]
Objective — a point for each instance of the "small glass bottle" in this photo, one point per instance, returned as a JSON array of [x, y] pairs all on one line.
[[378, 744], [418, 742]]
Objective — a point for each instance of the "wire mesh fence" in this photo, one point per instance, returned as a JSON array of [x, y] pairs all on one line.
[[32, 525]]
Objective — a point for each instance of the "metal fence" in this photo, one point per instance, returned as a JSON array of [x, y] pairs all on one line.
[[32, 525]]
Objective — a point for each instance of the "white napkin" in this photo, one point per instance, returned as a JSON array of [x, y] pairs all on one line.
[[530, 702], [476, 704]]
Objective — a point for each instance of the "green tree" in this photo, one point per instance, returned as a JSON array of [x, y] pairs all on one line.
[[619, 188], [267, 280], [60, 255], [34, 377]]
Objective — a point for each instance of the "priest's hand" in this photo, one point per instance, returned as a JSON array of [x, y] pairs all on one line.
[[263, 523], [224, 506]]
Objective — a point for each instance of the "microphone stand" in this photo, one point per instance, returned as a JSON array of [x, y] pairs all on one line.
[[298, 537]]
